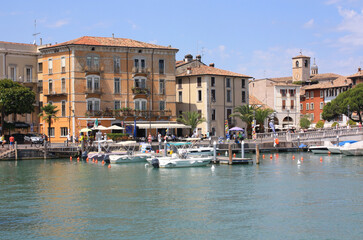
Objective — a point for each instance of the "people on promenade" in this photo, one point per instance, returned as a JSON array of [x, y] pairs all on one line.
[[3, 141], [69, 139], [12, 141]]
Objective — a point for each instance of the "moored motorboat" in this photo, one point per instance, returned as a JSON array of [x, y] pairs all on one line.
[[131, 155], [354, 149], [177, 161], [336, 148], [321, 149]]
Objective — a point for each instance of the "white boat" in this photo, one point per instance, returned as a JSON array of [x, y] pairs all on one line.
[[336, 148], [354, 149], [190, 148], [177, 161], [321, 149], [131, 155]]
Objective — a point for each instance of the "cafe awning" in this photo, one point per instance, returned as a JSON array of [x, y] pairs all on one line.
[[160, 125]]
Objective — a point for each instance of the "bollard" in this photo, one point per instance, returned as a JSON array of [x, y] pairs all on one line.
[[229, 154], [165, 149], [243, 149], [214, 151], [257, 154], [16, 150], [337, 140]]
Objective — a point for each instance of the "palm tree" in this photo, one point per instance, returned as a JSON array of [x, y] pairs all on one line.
[[245, 113], [49, 112], [191, 119], [261, 115]]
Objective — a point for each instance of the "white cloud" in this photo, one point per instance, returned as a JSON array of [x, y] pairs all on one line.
[[309, 24], [351, 25], [132, 24], [222, 52], [59, 23]]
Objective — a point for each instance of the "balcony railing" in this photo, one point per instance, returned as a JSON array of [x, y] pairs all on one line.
[[54, 93], [127, 112], [139, 90], [140, 70], [93, 90]]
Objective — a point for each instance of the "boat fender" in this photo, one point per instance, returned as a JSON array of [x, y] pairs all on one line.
[[277, 141], [155, 162]]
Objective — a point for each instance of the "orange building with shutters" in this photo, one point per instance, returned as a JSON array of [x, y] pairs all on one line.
[[114, 80]]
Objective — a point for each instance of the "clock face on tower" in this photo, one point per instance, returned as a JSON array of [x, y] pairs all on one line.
[[297, 76]]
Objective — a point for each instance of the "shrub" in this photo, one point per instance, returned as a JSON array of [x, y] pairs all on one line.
[[319, 124], [335, 124], [117, 136], [351, 122]]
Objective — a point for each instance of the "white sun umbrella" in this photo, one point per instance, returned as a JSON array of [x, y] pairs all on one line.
[[85, 130], [115, 127], [100, 127]]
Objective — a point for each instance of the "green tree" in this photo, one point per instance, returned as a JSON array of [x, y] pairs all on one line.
[[191, 119], [15, 99], [245, 113], [261, 115], [49, 112], [319, 124], [304, 122], [352, 98]]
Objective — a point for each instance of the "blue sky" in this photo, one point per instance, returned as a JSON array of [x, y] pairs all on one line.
[[257, 38]]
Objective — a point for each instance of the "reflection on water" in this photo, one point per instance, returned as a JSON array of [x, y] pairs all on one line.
[[282, 198]]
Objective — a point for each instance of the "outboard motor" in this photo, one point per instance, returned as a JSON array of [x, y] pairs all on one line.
[[84, 155], [106, 158], [155, 163]]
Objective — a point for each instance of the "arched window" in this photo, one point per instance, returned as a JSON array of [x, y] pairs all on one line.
[[306, 63], [297, 63], [140, 104], [93, 82], [93, 104]]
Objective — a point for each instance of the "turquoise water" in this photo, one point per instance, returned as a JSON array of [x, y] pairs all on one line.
[[279, 199]]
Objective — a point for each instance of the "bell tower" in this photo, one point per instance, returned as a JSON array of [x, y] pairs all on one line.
[[300, 68]]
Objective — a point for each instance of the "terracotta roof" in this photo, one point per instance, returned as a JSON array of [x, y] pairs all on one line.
[[24, 44], [206, 70], [339, 82], [324, 77], [254, 101], [356, 75], [179, 63], [301, 56], [110, 41], [282, 79]]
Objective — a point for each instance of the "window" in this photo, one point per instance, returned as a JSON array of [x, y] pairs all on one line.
[[28, 74], [306, 63], [40, 67], [162, 105], [312, 106], [200, 113], [40, 86], [140, 104], [321, 105], [161, 86], [50, 86], [213, 95], [13, 73], [64, 131], [213, 131], [321, 93], [51, 132], [213, 114], [63, 80], [297, 63], [50, 66], [161, 66], [116, 85], [243, 96], [301, 107], [283, 92], [312, 116], [321, 116], [229, 112], [283, 104], [117, 104], [63, 64], [140, 82], [228, 82], [199, 81], [243, 83], [117, 65], [307, 95], [63, 108], [93, 83], [213, 81], [180, 113], [312, 94], [307, 106], [139, 64], [180, 83], [199, 95], [292, 104], [180, 96], [292, 92], [93, 104], [229, 98], [93, 63]]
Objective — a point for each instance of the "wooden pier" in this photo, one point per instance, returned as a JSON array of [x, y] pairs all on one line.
[[235, 160]]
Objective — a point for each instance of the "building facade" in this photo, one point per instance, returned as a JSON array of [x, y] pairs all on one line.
[[18, 62], [114, 80], [212, 92]]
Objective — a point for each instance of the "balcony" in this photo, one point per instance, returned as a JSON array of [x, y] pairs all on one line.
[[93, 92], [93, 70], [55, 94], [140, 92], [138, 71], [128, 112]]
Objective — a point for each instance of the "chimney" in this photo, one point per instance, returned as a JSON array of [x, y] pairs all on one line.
[[189, 70], [188, 58], [199, 58], [41, 41], [113, 35], [359, 69], [211, 65]]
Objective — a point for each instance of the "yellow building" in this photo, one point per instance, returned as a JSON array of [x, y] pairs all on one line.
[[18, 61], [212, 92], [113, 80]]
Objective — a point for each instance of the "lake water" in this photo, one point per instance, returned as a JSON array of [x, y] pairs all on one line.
[[278, 199]]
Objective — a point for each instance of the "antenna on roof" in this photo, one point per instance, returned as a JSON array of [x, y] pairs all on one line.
[[202, 52], [35, 32], [300, 51]]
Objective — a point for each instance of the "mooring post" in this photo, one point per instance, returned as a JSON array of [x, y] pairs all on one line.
[[229, 154], [16, 151], [243, 149], [165, 149], [214, 151], [45, 149], [257, 154], [337, 140]]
